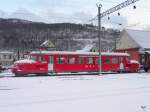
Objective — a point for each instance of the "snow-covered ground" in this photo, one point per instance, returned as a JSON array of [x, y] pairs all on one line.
[[106, 93]]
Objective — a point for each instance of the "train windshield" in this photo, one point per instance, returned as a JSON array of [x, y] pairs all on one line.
[[33, 58], [37, 58]]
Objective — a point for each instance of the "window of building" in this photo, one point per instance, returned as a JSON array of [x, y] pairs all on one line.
[[4, 56], [10, 57]]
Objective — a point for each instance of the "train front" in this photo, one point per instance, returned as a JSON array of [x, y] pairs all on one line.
[[29, 66], [22, 67]]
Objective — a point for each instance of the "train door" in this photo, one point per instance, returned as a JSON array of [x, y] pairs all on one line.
[[115, 62], [106, 63], [121, 64], [51, 63]]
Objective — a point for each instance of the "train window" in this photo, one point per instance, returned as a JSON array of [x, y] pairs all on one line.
[[51, 59], [114, 60], [97, 61], [33, 58], [71, 60], [60, 60], [121, 59], [80, 60], [90, 60], [57, 60], [40, 58], [107, 60]]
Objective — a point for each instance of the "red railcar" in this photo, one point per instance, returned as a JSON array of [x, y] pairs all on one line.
[[44, 62], [145, 60]]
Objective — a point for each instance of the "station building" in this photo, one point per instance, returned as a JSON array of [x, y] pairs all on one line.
[[134, 42]]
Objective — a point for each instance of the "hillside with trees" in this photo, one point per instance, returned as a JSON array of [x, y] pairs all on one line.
[[22, 35]]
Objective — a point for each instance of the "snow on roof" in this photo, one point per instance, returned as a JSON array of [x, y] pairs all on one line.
[[25, 61], [6, 52], [81, 53], [141, 37], [86, 48], [134, 61], [47, 43], [143, 52]]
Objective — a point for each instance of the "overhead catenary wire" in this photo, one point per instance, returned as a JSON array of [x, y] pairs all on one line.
[[107, 1], [110, 2]]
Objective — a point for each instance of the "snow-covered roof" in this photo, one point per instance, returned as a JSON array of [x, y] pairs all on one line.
[[6, 52], [143, 52], [25, 61], [47, 43], [134, 61], [87, 48], [141, 37], [81, 53]]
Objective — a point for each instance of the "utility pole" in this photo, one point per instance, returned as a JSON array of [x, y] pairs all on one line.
[[99, 6], [105, 13]]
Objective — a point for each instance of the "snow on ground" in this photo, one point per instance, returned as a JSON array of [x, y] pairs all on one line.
[[87, 93]]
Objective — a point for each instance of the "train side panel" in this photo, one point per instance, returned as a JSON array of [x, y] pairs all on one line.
[[63, 62], [109, 63]]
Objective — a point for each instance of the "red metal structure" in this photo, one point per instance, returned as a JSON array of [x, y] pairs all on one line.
[[44, 62]]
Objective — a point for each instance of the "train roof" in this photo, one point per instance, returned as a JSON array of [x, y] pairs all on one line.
[[80, 53]]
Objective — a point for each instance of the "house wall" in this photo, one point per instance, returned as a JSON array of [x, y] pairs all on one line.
[[6, 59], [126, 42], [134, 53]]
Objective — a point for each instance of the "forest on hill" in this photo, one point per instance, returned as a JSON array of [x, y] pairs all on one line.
[[22, 35]]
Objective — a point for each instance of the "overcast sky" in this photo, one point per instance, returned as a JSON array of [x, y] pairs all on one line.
[[80, 11]]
